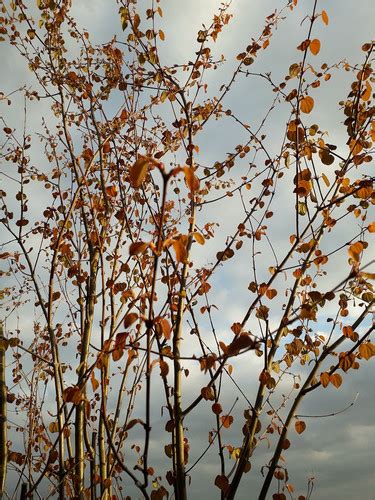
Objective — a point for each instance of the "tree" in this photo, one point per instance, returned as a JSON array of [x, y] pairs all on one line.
[[115, 250]]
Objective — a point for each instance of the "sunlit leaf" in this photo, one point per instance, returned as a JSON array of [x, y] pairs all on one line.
[[324, 379], [306, 104], [367, 350]]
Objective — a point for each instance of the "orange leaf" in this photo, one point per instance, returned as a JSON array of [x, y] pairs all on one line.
[[314, 46], [227, 421], [180, 248], [300, 426], [191, 179], [324, 379], [335, 380], [161, 35], [165, 327], [306, 104], [371, 227], [325, 17], [367, 350], [355, 251], [138, 247], [139, 171], [271, 293], [94, 381]]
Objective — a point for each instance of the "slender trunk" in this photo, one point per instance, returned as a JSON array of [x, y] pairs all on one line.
[[80, 410], [3, 415]]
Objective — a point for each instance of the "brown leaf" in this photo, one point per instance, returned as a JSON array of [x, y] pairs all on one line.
[[130, 319], [324, 379], [300, 426], [138, 248], [222, 482], [227, 421]]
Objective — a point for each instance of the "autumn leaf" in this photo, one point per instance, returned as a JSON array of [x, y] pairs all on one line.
[[335, 379], [217, 408], [73, 395], [138, 247], [371, 227], [367, 350], [130, 319], [306, 104], [199, 238], [314, 46], [300, 426], [222, 482], [139, 171], [164, 368], [325, 17], [180, 247], [227, 421], [324, 379], [191, 179], [355, 251]]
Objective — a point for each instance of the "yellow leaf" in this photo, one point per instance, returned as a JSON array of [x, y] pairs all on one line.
[[326, 180], [139, 171], [325, 17], [199, 238], [161, 35], [314, 46], [306, 104], [300, 426]]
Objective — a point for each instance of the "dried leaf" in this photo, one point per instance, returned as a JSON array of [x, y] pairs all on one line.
[[300, 426], [324, 379], [138, 248], [227, 421], [130, 319]]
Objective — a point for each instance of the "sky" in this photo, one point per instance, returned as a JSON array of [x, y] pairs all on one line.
[[337, 452]]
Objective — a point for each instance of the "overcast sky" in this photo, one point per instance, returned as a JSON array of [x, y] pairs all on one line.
[[338, 452]]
